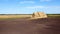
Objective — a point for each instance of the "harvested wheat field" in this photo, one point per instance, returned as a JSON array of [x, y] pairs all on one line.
[[48, 25]]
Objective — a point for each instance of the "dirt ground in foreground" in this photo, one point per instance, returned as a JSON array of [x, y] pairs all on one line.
[[25, 26]]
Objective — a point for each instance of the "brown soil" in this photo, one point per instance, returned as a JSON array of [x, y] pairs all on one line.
[[25, 26]]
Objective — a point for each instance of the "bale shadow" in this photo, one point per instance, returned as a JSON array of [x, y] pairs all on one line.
[[46, 20]]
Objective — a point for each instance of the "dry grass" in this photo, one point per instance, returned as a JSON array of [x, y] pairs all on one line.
[[23, 16], [14, 16]]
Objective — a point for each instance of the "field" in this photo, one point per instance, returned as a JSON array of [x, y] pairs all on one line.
[[22, 24], [13, 16]]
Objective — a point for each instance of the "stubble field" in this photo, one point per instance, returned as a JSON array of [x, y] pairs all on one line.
[[22, 24]]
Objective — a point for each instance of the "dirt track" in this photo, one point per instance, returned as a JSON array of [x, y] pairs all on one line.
[[24, 26]]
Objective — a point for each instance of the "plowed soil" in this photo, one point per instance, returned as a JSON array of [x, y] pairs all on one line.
[[25, 26]]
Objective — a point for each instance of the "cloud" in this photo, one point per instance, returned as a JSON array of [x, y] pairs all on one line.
[[33, 7], [23, 2], [42, 7], [54, 6], [45, 0]]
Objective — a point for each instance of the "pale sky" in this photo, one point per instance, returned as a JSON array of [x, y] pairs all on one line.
[[29, 6]]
